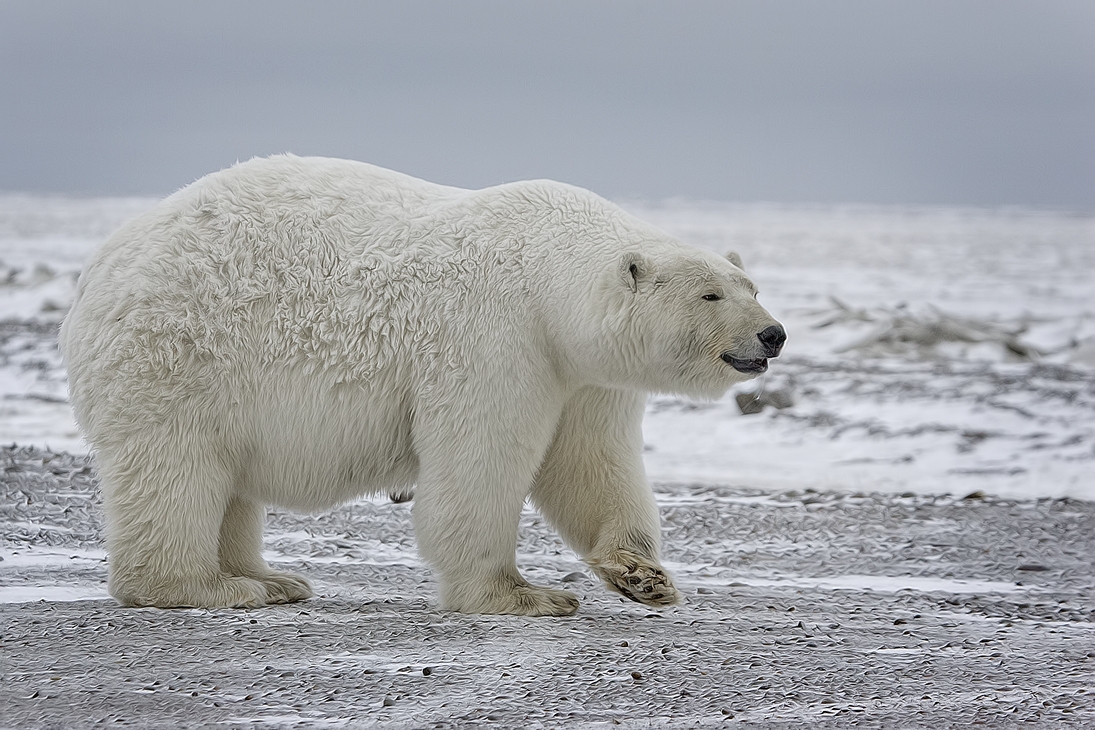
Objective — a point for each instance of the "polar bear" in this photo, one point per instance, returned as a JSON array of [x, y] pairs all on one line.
[[304, 331]]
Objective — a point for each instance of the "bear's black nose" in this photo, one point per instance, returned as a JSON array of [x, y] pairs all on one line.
[[772, 338]]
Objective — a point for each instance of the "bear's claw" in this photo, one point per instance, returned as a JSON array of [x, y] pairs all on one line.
[[637, 578]]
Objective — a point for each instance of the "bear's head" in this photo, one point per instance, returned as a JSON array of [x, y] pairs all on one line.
[[692, 321]]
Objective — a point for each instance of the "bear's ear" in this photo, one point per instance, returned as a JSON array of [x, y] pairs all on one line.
[[635, 270], [735, 259]]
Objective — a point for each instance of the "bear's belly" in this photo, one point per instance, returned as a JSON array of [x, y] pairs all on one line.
[[328, 485], [321, 448]]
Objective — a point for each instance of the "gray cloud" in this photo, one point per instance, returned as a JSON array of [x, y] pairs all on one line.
[[968, 102]]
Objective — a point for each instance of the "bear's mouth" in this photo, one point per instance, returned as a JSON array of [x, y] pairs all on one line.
[[759, 365]]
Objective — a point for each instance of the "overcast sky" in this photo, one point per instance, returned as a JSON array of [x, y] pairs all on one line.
[[953, 102]]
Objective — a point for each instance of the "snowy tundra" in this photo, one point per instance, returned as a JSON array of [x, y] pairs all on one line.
[[303, 331]]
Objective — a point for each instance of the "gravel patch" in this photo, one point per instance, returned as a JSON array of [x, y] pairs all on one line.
[[826, 609]]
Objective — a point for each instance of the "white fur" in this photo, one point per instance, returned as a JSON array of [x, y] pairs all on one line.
[[301, 331]]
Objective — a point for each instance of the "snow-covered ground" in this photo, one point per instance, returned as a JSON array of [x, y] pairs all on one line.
[[931, 350]]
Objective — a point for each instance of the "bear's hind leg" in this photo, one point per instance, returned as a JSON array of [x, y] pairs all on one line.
[[163, 522], [593, 489], [240, 551]]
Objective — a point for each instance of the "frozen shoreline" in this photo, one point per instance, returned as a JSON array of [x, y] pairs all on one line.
[[831, 609]]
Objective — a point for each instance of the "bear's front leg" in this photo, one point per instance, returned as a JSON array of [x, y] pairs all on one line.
[[593, 489], [474, 475]]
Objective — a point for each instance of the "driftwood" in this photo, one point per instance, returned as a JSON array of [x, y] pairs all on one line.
[[754, 402], [901, 330]]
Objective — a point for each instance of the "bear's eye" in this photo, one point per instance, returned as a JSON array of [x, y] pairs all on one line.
[[711, 297]]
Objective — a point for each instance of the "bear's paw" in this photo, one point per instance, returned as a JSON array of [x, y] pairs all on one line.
[[283, 587], [216, 592], [637, 578], [536, 601], [516, 598]]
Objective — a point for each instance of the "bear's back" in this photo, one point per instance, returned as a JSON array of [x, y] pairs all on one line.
[[331, 264]]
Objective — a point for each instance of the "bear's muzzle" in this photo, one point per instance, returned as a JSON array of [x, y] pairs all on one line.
[[757, 365], [771, 340]]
